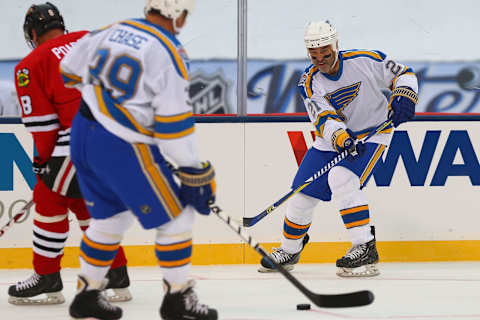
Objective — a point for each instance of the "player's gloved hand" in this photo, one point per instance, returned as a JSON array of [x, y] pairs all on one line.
[[402, 105], [346, 140], [198, 186], [39, 166]]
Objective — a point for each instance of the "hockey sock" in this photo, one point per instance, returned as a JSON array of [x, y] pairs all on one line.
[[357, 221], [173, 248], [49, 236], [352, 204], [297, 221], [96, 256]]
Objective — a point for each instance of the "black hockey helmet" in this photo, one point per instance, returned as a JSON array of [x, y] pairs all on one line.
[[41, 18]]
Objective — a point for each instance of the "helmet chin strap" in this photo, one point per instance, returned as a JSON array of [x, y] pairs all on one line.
[[334, 61]]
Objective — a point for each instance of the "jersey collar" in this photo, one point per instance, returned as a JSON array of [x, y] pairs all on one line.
[[340, 70]]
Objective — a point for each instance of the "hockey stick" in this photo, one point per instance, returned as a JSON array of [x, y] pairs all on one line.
[[250, 221], [16, 217], [344, 300]]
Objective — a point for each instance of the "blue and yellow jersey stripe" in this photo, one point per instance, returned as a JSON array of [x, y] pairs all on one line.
[[322, 119], [374, 55], [174, 255], [120, 114], [157, 180], [306, 87], [174, 126], [167, 41], [356, 216], [70, 79]]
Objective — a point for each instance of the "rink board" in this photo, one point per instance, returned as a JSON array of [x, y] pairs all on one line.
[[423, 197]]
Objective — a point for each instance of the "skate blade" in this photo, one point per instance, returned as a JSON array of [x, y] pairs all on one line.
[[369, 270], [117, 295], [262, 269], [41, 299]]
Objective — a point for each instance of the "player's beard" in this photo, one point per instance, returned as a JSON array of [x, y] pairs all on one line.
[[326, 67], [329, 66]]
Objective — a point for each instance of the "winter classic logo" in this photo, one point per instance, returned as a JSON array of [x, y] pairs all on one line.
[[208, 94], [23, 78]]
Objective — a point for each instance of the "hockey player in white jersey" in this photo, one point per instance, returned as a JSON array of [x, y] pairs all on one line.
[[342, 92], [134, 113]]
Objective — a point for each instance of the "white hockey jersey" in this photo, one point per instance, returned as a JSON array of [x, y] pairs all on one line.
[[353, 98], [134, 77]]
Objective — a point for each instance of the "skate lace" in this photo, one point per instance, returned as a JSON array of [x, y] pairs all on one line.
[[29, 283], [356, 252], [102, 302], [192, 304], [280, 255]]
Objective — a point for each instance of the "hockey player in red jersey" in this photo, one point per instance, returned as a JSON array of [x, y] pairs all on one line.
[[47, 112]]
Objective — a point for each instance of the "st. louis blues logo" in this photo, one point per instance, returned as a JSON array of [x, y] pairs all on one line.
[[342, 97]]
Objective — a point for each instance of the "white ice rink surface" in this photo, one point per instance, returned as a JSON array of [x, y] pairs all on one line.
[[402, 291]]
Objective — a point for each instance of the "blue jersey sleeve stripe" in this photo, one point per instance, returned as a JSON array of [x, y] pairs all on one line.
[[321, 120], [174, 127], [165, 42]]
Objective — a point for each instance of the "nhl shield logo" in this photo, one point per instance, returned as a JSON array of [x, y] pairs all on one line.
[[208, 94]]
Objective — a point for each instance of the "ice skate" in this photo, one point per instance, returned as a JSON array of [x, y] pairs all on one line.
[[184, 305], [90, 303], [285, 259], [117, 287], [360, 260], [38, 289]]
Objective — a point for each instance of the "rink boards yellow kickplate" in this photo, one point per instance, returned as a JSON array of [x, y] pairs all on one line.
[[234, 253]]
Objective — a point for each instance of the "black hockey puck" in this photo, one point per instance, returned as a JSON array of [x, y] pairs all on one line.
[[303, 306]]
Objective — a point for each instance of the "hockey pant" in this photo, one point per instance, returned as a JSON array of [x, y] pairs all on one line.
[[344, 183]]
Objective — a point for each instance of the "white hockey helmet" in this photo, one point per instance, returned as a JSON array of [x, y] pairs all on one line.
[[171, 9], [319, 34]]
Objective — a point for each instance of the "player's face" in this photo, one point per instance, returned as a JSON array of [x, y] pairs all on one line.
[[323, 58]]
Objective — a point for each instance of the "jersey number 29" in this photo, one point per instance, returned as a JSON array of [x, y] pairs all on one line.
[[122, 75]]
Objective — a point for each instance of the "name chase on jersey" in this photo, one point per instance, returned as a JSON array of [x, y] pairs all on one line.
[[128, 38]]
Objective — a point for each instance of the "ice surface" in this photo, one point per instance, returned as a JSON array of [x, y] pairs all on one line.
[[402, 291]]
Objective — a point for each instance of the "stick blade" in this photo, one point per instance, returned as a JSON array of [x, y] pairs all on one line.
[[345, 300], [247, 222]]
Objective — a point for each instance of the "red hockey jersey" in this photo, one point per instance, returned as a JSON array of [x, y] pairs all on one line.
[[47, 106]]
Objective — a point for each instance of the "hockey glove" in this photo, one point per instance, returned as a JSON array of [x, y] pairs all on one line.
[[198, 186], [346, 140], [39, 166], [402, 105]]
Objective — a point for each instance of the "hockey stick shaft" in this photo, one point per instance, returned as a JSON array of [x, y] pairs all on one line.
[[250, 221], [16, 217], [354, 299]]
